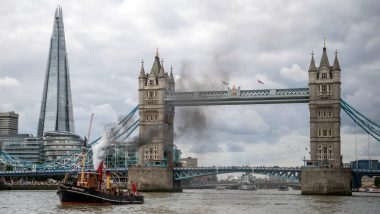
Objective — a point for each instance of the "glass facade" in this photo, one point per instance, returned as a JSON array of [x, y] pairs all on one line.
[[57, 145], [365, 164], [56, 105], [24, 146], [121, 155]]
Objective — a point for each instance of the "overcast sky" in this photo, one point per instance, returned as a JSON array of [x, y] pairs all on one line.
[[206, 42]]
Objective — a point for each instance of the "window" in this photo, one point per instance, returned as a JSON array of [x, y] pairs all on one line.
[[324, 75], [151, 94], [330, 113], [324, 88], [324, 132], [151, 82], [319, 113], [325, 152], [330, 132], [319, 133]]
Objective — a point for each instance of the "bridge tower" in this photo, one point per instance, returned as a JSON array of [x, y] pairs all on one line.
[[324, 173], [324, 105], [156, 118]]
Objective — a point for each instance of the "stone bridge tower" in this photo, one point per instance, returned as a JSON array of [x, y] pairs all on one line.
[[155, 144], [324, 173], [156, 118], [324, 105]]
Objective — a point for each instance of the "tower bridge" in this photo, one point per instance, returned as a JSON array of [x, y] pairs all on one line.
[[158, 99]]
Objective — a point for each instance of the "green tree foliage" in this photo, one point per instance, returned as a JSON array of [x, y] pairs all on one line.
[[377, 181]]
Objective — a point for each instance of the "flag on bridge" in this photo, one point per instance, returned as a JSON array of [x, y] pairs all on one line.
[[224, 83], [259, 81]]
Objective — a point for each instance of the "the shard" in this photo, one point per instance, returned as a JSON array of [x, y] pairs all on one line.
[[56, 105]]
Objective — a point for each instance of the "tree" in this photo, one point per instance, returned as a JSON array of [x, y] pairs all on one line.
[[377, 181]]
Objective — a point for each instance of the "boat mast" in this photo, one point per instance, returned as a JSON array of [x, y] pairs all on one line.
[[84, 149]]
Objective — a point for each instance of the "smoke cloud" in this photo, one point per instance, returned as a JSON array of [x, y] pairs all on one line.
[[99, 150], [192, 123], [114, 133]]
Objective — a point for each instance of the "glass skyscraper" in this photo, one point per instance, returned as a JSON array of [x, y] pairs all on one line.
[[56, 105]]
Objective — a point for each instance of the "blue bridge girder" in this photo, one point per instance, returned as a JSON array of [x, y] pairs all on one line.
[[53, 172], [181, 173], [238, 97]]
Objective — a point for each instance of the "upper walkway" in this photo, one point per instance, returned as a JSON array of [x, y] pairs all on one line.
[[238, 97]]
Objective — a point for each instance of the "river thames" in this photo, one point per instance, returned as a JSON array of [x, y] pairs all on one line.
[[200, 201]]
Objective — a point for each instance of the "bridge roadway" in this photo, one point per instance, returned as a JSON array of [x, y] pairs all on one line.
[[238, 97], [180, 173]]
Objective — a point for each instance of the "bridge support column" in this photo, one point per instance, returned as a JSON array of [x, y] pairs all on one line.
[[326, 181], [155, 179]]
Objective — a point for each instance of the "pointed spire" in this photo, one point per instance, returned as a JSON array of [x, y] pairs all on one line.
[[336, 66], [157, 54], [156, 67], [171, 72], [312, 66], [324, 59], [162, 72], [142, 71]]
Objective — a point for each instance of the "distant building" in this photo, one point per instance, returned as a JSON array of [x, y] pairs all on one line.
[[56, 106], [8, 123], [365, 164], [57, 145], [189, 162], [23, 146]]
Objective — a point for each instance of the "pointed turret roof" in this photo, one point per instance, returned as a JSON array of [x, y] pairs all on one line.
[[162, 71], [336, 66], [324, 59], [142, 71], [312, 66], [171, 73], [156, 65]]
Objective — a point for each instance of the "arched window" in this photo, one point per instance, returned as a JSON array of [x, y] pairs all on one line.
[[324, 132]]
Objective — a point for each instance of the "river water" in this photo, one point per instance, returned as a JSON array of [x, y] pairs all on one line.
[[200, 201]]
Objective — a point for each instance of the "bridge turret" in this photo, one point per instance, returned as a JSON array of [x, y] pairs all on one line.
[[171, 87], [162, 77], [142, 76], [336, 69], [312, 69]]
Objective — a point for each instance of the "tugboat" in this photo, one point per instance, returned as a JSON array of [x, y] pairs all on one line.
[[89, 188]]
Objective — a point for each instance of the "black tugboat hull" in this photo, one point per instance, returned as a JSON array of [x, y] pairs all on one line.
[[75, 195]]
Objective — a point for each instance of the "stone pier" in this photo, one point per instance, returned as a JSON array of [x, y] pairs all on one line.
[[326, 181], [152, 179]]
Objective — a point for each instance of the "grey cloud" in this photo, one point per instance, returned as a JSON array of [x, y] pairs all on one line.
[[211, 42]]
